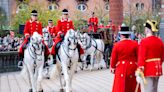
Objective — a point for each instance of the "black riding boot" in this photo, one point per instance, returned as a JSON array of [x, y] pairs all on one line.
[[54, 59], [20, 63], [45, 61]]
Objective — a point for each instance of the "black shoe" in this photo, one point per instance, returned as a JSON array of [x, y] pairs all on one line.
[[20, 63]]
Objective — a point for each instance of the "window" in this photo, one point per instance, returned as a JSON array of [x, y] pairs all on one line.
[[137, 6], [107, 8], [52, 7], [82, 7], [142, 6]]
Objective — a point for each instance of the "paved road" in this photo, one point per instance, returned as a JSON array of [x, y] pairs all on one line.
[[84, 81]]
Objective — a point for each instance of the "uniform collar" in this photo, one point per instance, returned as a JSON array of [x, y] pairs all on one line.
[[50, 27], [62, 20], [33, 21]]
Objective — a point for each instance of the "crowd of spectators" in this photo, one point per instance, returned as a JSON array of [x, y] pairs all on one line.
[[8, 43]]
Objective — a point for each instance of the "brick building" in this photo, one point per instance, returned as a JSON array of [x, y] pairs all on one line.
[[85, 7]]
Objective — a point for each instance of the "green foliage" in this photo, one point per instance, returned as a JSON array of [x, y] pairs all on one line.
[[3, 18], [43, 15]]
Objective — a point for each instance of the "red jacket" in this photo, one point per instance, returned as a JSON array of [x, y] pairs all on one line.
[[52, 31], [112, 27], [93, 24], [31, 27], [124, 61], [101, 26], [64, 25], [151, 55]]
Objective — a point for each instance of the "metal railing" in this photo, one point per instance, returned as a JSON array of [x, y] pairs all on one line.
[[8, 61]]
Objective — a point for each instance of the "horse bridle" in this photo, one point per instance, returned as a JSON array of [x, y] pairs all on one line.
[[69, 42], [33, 52]]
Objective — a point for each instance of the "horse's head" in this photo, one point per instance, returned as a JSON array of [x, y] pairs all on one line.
[[85, 40], [47, 37], [36, 41], [46, 34], [71, 39]]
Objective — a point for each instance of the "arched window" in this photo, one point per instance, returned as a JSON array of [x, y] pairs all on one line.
[[142, 6], [137, 6], [107, 7], [82, 7], [53, 7]]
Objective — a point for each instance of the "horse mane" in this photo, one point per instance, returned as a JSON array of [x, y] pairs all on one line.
[[69, 32]]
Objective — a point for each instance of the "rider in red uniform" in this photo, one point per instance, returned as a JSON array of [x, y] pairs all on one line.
[[63, 25], [31, 26], [51, 29], [93, 23], [111, 26]]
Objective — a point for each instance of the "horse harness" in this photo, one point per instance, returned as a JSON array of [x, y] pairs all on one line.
[[95, 46], [34, 55]]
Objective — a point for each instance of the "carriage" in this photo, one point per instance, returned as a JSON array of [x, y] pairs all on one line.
[[106, 35]]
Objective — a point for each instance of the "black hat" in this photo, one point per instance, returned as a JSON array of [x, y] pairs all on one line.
[[65, 11], [50, 21], [34, 13], [125, 30]]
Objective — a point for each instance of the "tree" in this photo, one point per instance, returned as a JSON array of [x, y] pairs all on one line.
[[43, 15], [3, 18]]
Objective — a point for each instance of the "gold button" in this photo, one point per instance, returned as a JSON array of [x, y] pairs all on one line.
[[131, 63], [122, 75], [123, 62], [156, 66], [156, 73], [131, 76], [67, 23]]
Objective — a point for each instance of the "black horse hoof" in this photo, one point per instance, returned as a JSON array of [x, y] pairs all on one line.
[[75, 71], [101, 68], [30, 90], [61, 90], [40, 91]]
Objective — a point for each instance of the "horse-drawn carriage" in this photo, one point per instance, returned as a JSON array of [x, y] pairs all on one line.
[[106, 35]]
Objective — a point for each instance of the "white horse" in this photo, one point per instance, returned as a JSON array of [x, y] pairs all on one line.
[[49, 42], [67, 57], [94, 48], [33, 62]]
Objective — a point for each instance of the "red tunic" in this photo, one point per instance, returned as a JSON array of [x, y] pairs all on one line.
[[93, 24], [64, 25], [31, 27], [52, 30], [124, 61], [112, 27], [101, 26], [151, 55]]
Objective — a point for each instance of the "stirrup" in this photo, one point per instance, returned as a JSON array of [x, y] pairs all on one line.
[[20, 64]]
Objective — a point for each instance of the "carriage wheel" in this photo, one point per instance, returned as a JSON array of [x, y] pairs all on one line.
[[107, 57]]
